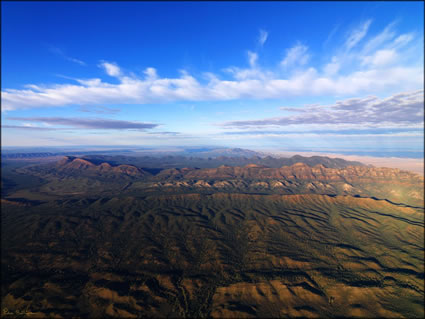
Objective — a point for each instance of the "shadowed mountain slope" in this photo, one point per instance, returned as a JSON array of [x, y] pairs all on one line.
[[219, 255]]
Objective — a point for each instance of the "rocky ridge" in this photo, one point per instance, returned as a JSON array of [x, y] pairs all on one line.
[[384, 183], [70, 164]]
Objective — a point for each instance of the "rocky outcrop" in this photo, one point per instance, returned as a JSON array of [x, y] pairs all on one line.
[[71, 163], [385, 183], [298, 171]]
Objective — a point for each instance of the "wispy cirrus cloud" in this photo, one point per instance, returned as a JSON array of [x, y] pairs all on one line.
[[402, 109], [166, 133], [252, 58], [383, 62], [331, 35], [61, 53], [297, 55], [253, 134], [356, 35], [86, 123], [98, 109], [354, 131], [26, 127], [262, 37]]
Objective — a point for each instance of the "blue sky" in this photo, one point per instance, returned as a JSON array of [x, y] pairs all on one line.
[[283, 75]]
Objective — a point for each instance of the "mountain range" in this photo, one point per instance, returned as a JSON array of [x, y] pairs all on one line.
[[79, 175], [113, 236]]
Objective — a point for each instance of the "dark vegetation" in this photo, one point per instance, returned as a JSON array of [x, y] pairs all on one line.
[[84, 239]]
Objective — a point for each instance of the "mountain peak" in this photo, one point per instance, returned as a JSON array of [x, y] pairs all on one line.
[[66, 160], [88, 167], [74, 162], [83, 161], [105, 166], [77, 163]]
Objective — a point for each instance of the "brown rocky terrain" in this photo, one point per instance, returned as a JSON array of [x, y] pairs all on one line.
[[70, 163], [301, 171], [384, 183], [93, 239]]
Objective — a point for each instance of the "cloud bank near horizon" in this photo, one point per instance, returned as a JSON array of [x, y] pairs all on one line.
[[404, 109], [362, 64], [84, 123]]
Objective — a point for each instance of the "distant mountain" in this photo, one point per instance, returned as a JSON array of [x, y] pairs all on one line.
[[72, 174], [202, 157], [310, 161], [199, 152], [228, 152], [28, 155], [172, 161], [70, 164], [385, 183]]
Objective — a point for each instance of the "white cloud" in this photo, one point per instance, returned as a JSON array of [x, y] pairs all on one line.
[[111, 69], [403, 39], [151, 74], [252, 73], [387, 62], [252, 58], [333, 67], [381, 57], [357, 35], [380, 39], [88, 123], [262, 38], [87, 82], [296, 55], [260, 134], [248, 83], [405, 109]]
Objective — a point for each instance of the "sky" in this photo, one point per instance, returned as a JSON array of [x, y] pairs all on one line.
[[324, 76]]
